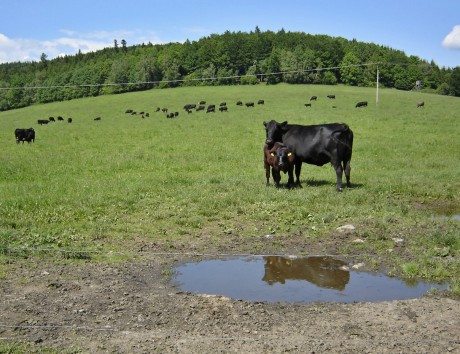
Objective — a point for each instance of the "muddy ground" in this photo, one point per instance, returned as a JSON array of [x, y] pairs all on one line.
[[131, 307]]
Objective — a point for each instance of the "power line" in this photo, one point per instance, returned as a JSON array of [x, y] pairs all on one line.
[[191, 79]]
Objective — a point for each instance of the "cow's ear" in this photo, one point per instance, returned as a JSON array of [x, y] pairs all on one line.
[[283, 125], [265, 124]]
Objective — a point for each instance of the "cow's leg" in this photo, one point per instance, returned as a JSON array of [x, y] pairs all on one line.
[[290, 182], [339, 172], [267, 173], [298, 168], [276, 177], [347, 173]]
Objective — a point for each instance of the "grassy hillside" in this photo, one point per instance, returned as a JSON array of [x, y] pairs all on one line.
[[125, 181]]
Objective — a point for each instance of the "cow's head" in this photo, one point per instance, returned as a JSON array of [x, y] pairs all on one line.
[[283, 155], [274, 131]]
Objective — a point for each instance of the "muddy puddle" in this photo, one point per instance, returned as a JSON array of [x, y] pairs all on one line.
[[294, 280]]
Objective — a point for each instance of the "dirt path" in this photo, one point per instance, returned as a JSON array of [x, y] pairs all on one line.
[[132, 308]]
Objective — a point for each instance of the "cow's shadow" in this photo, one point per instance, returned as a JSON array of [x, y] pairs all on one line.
[[331, 183]]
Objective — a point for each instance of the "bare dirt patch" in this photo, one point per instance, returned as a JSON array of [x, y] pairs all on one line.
[[131, 307]]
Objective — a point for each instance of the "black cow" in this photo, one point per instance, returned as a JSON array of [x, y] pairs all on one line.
[[316, 145], [361, 104], [260, 102], [239, 103], [211, 108], [421, 104], [69, 120], [313, 98], [250, 104], [331, 97], [222, 104], [200, 108], [43, 121], [307, 105], [97, 118], [60, 119], [51, 119], [24, 135], [223, 108], [279, 158]]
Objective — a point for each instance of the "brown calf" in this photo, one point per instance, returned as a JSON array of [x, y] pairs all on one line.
[[279, 158]]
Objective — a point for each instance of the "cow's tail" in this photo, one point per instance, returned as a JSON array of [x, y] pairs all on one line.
[[345, 136]]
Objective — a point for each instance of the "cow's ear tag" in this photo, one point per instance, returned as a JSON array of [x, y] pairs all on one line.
[[272, 154], [289, 153]]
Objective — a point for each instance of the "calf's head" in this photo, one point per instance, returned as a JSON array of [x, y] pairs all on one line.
[[274, 131], [284, 157]]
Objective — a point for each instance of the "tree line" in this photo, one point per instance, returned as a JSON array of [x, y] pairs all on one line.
[[230, 58]]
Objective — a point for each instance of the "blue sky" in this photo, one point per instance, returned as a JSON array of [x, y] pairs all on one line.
[[429, 29]]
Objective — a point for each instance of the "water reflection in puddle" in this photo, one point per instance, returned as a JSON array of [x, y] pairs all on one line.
[[306, 279]]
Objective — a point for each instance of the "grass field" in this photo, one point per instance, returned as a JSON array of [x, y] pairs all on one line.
[[124, 180]]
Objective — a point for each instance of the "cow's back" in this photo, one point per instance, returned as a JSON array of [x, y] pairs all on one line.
[[317, 144]]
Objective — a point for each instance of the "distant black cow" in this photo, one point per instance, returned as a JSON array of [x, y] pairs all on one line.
[[97, 118], [24, 135], [164, 110], [69, 120], [313, 98], [361, 104], [211, 108], [260, 102], [223, 108], [250, 104], [189, 106], [239, 103], [60, 119], [200, 108], [170, 115], [202, 102], [129, 111], [222, 104], [278, 158], [316, 145], [307, 105], [420, 104], [51, 119], [43, 121], [157, 110], [331, 97]]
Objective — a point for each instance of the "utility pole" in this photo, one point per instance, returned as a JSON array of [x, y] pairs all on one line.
[[377, 92]]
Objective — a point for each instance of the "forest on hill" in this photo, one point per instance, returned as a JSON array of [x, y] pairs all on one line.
[[231, 58]]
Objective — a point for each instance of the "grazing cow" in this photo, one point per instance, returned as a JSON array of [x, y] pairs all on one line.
[[97, 118], [202, 102], [51, 119], [211, 108], [223, 108], [158, 109], [361, 104], [129, 111], [316, 145], [24, 135], [260, 102], [189, 106], [331, 97], [200, 108], [313, 98], [170, 115], [60, 119], [164, 110], [250, 104], [147, 114], [420, 104], [278, 157], [69, 120], [307, 105], [222, 104], [176, 114], [43, 121], [239, 103]]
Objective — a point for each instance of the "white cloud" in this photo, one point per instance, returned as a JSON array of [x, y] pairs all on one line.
[[452, 40], [20, 49]]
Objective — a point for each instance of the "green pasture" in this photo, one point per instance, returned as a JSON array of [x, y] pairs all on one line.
[[124, 181]]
